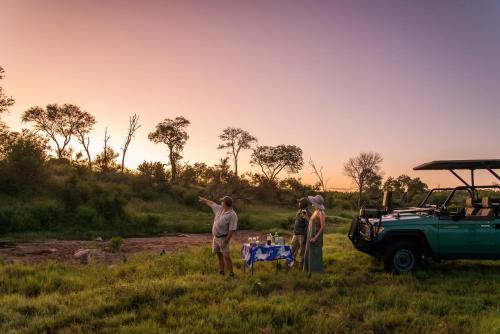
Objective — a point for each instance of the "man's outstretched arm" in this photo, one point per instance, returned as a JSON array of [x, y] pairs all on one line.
[[206, 201]]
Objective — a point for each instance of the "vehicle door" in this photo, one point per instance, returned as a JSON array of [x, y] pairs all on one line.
[[466, 237]]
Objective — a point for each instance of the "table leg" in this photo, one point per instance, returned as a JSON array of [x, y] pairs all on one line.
[[252, 268], [244, 265]]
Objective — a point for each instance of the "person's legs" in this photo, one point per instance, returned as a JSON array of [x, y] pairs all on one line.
[[220, 257], [217, 250], [295, 245], [302, 249], [228, 262]]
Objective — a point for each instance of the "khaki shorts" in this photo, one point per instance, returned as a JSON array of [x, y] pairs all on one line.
[[217, 245]]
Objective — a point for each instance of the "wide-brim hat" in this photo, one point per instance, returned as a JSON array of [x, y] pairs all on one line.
[[317, 201]]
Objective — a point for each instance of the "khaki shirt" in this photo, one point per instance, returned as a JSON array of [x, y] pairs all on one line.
[[223, 221]]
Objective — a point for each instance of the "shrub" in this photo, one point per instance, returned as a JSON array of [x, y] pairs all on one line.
[[115, 243], [48, 213]]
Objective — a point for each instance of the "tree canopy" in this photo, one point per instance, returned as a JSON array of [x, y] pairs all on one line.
[[172, 132], [59, 123], [365, 172], [5, 101], [235, 140], [274, 159]]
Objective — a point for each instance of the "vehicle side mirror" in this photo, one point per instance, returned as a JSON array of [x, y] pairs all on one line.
[[387, 201]]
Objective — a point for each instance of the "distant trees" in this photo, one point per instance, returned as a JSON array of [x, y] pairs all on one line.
[[5, 101], [154, 171], [59, 122], [235, 140], [274, 159], [133, 126], [172, 132], [405, 188], [365, 172]]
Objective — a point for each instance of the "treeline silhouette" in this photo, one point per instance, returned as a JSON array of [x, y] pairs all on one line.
[[47, 185]]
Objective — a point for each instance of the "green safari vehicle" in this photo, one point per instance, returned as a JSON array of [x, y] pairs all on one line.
[[464, 226]]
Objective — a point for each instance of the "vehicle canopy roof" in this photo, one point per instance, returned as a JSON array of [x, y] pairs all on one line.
[[487, 164]]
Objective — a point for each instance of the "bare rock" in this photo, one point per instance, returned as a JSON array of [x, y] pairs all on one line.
[[86, 256]]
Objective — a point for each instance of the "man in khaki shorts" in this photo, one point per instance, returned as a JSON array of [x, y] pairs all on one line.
[[223, 229]]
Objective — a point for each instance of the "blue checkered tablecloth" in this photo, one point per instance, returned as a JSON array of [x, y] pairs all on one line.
[[252, 254]]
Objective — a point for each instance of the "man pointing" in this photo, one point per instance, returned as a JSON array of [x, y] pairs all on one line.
[[223, 229]]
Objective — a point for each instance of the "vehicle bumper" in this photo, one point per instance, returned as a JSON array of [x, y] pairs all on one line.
[[361, 235]]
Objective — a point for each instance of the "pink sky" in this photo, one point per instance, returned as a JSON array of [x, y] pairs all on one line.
[[414, 81]]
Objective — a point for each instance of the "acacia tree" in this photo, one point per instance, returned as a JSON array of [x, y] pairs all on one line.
[[5, 103], [133, 126], [172, 132], [274, 159], [59, 123], [364, 171], [235, 140]]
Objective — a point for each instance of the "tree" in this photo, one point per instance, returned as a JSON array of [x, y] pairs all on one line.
[[172, 133], [106, 160], [235, 140], [153, 170], [84, 139], [405, 188], [5, 101], [364, 171], [59, 121], [322, 183], [133, 126], [274, 159], [24, 165]]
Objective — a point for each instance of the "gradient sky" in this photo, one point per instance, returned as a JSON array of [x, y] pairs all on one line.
[[413, 80]]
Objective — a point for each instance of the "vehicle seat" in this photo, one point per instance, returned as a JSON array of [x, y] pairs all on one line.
[[470, 209], [487, 210]]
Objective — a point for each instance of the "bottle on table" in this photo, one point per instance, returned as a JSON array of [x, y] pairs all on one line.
[[269, 239], [276, 238]]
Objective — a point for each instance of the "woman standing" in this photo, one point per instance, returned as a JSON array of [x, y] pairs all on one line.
[[313, 257]]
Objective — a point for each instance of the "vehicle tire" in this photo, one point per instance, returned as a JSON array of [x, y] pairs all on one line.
[[402, 257]]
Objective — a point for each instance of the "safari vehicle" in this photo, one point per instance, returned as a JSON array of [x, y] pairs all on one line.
[[466, 225]]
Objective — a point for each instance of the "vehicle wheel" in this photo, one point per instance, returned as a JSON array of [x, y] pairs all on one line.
[[401, 257]]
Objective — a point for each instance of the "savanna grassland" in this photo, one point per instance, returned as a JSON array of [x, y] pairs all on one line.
[[181, 292]]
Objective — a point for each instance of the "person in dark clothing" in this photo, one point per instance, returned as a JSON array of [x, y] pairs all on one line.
[[300, 231]]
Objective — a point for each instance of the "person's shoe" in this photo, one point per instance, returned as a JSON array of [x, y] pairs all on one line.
[[231, 274], [221, 273]]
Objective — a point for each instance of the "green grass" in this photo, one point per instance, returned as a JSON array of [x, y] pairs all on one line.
[[182, 293]]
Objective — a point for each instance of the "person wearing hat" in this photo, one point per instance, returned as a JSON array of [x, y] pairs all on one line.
[[298, 243], [223, 229], [313, 256]]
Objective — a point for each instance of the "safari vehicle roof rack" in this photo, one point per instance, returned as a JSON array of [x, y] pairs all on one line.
[[472, 165]]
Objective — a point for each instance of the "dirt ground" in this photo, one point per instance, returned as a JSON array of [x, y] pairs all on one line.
[[79, 251]]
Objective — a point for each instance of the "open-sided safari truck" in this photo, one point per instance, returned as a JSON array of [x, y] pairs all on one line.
[[466, 225]]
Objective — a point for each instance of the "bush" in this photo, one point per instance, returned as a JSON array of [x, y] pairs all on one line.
[[49, 214], [115, 243], [110, 200]]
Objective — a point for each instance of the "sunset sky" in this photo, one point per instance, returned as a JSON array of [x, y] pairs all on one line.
[[413, 80]]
